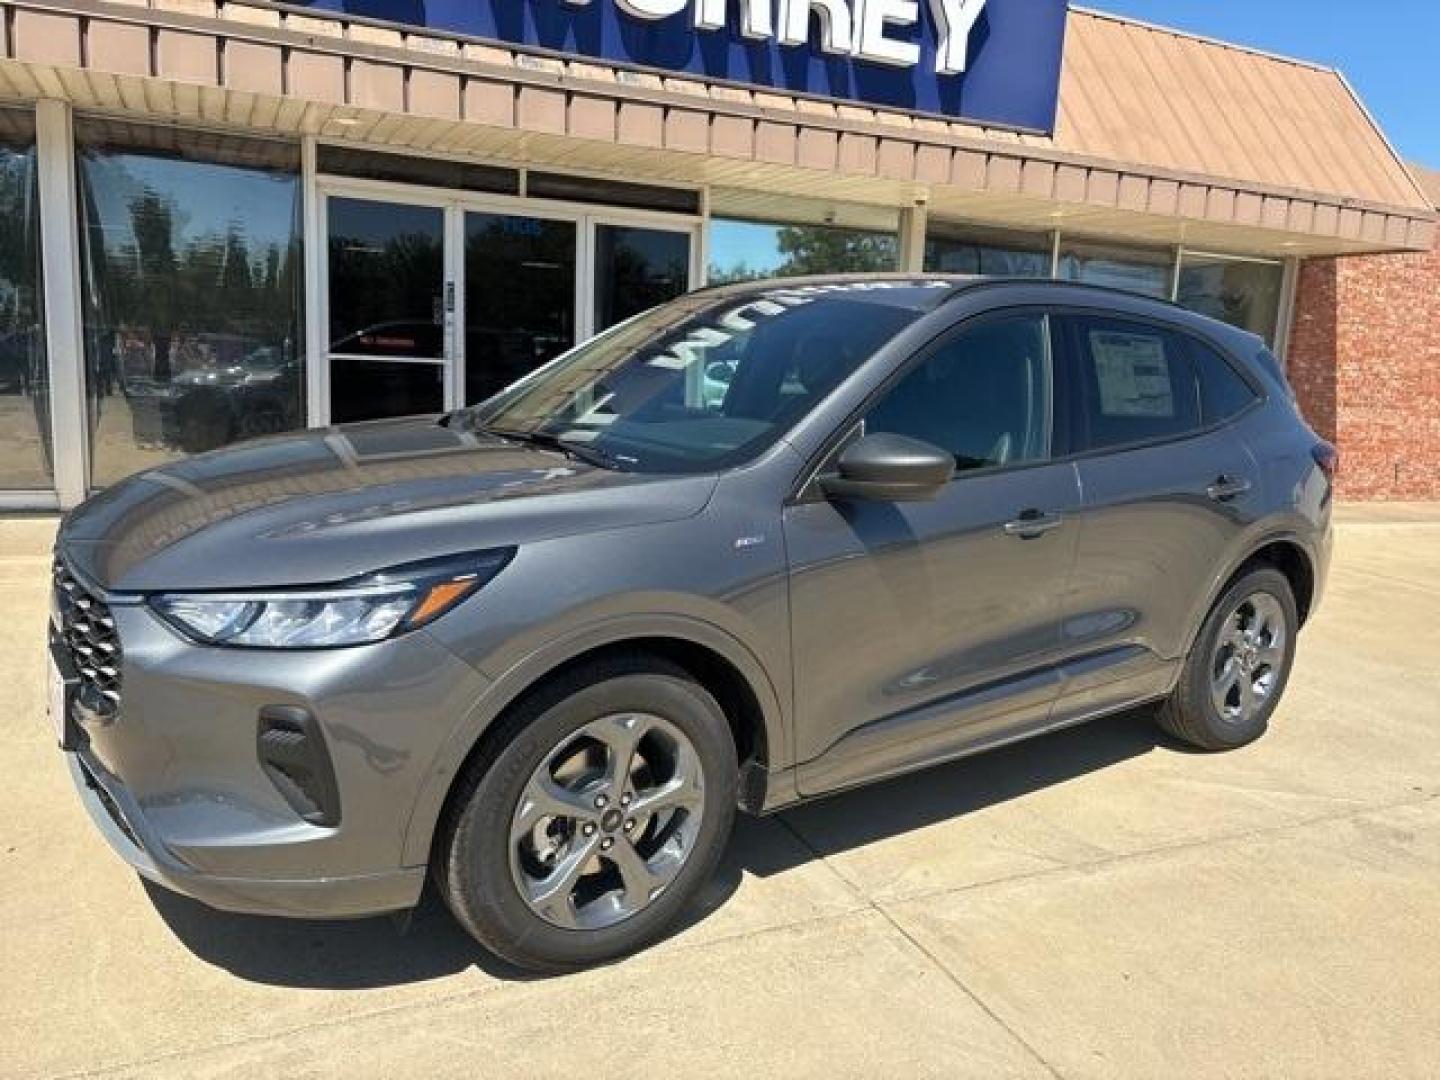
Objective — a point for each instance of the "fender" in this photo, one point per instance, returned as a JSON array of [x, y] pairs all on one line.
[[508, 687], [1246, 549]]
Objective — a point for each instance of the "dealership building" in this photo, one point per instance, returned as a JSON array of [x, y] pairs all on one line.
[[229, 219]]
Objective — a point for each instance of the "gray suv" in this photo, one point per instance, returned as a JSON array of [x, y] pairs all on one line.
[[763, 543]]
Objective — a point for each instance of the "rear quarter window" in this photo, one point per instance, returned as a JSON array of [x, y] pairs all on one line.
[[1223, 392]]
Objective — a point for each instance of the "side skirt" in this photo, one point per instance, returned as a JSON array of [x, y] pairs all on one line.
[[994, 716]]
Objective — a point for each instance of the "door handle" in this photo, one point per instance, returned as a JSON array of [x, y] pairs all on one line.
[[1227, 487], [1033, 523]]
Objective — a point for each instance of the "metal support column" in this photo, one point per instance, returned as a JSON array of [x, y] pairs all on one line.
[[64, 325]]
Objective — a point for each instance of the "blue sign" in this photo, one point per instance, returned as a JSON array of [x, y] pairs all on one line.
[[994, 62]]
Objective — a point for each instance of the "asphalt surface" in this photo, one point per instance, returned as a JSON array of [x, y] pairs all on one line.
[[1099, 902]]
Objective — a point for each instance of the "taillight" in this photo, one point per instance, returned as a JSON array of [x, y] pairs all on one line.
[[1328, 458]]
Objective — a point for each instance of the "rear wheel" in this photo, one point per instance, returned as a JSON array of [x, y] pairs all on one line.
[[1238, 667], [598, 813]]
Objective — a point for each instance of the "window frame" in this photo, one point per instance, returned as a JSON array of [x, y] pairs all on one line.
[[806, 488], [1069, 351]]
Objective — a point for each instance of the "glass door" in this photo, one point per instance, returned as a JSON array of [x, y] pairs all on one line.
[[435, 300], [388, 345], [637, 266], [520, 297]]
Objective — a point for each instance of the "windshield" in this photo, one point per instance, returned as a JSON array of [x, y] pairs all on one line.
[[709, 380]]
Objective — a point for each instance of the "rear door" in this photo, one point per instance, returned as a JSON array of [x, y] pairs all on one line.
[[1168, 487], [922, 627]]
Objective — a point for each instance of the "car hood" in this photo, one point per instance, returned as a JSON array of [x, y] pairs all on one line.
[[327, 505]]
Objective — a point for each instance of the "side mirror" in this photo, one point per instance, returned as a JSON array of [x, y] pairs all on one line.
[[890, 468]]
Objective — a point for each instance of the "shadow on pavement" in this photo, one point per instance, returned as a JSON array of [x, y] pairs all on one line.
[[366, 953]]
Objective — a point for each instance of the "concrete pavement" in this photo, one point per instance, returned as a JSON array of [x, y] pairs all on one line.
[[1095, 903]]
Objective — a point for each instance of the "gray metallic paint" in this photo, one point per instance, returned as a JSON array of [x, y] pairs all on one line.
[[876, 637]]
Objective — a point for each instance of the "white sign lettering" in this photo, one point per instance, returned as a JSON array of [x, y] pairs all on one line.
[[858, 28]]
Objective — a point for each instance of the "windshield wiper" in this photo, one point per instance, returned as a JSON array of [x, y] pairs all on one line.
[[591, 455]]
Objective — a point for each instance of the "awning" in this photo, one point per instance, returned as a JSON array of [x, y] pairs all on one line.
[[1161, 136]]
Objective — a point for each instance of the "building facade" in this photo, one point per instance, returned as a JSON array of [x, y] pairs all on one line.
[[228, 219], [1364, 358]]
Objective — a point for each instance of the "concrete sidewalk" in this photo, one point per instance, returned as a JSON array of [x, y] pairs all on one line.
[[1095, 903]]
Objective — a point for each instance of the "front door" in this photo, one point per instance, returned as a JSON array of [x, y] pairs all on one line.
[[922, 627], [438, 300]]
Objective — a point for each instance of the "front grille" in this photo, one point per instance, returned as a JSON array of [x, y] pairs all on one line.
[[88, 630]]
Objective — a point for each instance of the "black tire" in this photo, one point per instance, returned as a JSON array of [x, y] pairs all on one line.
[[1190, 713], [473, 869]]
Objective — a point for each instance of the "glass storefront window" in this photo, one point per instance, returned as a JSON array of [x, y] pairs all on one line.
[[1242, 292], [746, 250], [960, 249], [1141, 270], [25, 443], [192, 284]]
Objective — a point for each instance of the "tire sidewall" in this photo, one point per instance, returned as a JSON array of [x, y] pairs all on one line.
[[1197, 690], [482, 883]]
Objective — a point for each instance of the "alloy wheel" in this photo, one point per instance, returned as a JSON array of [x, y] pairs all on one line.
[[1249, 655], [607, 821]]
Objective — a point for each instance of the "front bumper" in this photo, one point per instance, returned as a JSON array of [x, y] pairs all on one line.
[[123, 826], [175, 782]]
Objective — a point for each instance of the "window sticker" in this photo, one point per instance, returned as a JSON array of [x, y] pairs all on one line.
[[1133, 374]]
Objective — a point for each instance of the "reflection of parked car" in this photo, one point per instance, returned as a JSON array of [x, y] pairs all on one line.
[[207, 408], [18, 354], [494, 358]]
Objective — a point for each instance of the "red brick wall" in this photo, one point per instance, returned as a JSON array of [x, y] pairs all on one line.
[[1365, 361]]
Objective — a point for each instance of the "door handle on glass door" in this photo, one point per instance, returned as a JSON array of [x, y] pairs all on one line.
[[1033, 523], [1227, 487]]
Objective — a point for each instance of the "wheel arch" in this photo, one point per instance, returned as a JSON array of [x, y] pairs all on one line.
[[1284, 552], [710, 655]]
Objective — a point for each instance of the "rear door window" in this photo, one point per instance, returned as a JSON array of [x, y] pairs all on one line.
[[1134, 382]]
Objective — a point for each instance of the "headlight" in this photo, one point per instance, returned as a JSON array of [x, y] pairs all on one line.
[[366, 610]]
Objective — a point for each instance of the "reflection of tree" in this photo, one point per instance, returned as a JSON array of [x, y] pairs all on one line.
[[15, 255], [370, 285], [171, 288], [739, 271], [154, 298], [816, 249], [811, 249], [642, 279]]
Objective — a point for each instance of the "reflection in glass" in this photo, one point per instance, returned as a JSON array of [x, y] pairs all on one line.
[[636, 269], [1141, 270], [387, 272], [24, 380], [747, 250], [1242, 293], [364, 389], [192, 278], [957, 249], [519, 298]]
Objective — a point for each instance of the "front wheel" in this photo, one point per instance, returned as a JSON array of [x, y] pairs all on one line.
[[1238, 666], [595, 818]]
